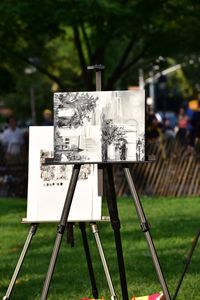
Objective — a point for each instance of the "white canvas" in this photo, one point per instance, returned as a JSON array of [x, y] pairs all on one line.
[[99, 126], [48, 184]]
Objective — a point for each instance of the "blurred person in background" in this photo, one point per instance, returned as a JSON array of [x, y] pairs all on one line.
[[154, 134], [12, 141], [195, 122], [154, 131], [47, 118], [168, 130], [183, 127]]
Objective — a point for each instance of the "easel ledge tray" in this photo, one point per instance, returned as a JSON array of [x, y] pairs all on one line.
[[148, 159], [103, 219]]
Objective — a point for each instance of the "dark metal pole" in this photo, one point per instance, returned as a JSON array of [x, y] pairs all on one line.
[[61, 229], [115, 222], [146, 229], [98, 69], [89, 260], [31, 233], [187, 263]]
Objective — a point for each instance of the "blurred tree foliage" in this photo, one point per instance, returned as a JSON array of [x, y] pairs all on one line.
[[60, 38]]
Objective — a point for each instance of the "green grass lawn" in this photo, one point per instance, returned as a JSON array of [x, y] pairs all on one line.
[[174, 223]]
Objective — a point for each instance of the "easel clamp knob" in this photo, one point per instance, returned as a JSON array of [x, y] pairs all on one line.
[[60, 229], [96, 67], [145, 226]]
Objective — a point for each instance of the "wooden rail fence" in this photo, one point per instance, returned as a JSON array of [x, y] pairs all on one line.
[[175, 172]]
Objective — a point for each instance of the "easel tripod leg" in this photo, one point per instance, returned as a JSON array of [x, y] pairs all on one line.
[[187, 263], [60, 230], [31, 233], [146, 229], [89, 260], [115, 222], [103, 260]]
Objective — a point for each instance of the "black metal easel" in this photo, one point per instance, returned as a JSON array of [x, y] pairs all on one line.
[[115, 222], [113, 211], [112, 206]]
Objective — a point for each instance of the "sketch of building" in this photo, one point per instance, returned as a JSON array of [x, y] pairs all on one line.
[[51, 174], [99, 126], [48, 183]]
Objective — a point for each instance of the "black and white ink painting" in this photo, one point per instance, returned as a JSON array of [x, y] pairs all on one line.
[[48, 183], [93, 127]]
